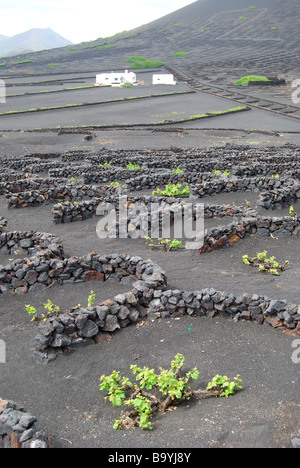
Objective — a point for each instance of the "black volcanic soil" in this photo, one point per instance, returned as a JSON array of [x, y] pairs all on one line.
[[219, 44], [63, 395]]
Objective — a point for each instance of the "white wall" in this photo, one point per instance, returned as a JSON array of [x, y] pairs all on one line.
[[163, 79], [118, 78]]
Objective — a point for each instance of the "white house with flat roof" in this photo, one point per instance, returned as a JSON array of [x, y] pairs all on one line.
[[115, 79], [165, 78]]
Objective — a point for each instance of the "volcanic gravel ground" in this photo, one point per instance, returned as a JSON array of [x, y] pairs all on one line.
[[64, 394]]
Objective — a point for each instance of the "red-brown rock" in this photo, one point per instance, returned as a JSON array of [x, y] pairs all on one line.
[[93, 275]]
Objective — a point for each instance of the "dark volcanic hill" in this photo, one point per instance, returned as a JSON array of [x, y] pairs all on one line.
[[234, 37], [31, 41]]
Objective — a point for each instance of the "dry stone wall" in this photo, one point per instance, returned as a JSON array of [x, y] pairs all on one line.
[[42, 262], [3, 224], [18, 428], [150, 298]]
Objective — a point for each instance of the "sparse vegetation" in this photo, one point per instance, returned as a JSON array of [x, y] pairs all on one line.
[[132, 166], [225, 173], [22, 61], [108, 46], [292, 211], [177, 171], [51, 309], [91, 299], [215, 113], [188, 291], [163, 244], [82, 104], [75, 179]]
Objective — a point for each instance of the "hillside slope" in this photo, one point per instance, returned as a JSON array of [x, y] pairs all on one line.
[[217, 36], [30, 41]]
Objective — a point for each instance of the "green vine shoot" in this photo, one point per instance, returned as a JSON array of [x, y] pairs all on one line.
[[265, 264]]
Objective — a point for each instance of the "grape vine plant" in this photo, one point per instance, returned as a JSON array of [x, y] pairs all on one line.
[[159, 392]]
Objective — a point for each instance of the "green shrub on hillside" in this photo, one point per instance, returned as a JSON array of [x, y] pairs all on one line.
[[143, 62], [246, 79], [23, 61], [136, 58], [108, 46]]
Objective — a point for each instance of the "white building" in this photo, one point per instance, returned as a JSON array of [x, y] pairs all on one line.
[[167, 79], [115, 79]]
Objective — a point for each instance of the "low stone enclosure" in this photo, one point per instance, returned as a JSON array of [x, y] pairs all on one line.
[[3, 224], [18, 428], [272, 173], [70, 178], [148, 296], [42, 262]]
